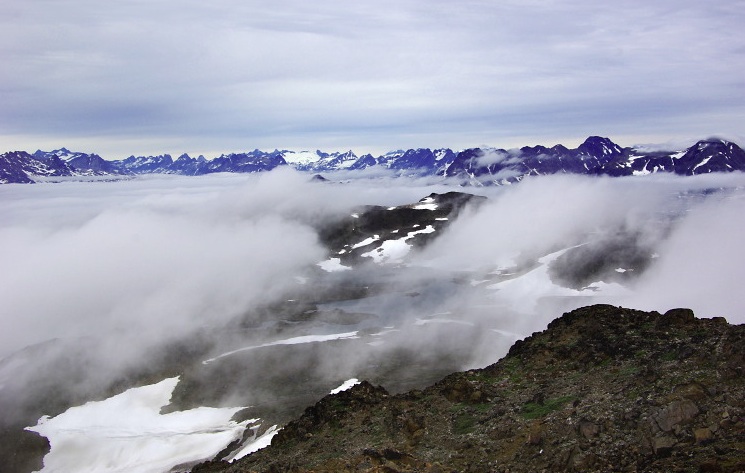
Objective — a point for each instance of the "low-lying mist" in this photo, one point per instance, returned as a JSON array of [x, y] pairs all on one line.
[[212, 264]]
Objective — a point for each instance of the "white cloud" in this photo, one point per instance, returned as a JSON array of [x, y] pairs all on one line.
[[700, 266], [168, 258], [169, 253], [184, 76], [537, 216]]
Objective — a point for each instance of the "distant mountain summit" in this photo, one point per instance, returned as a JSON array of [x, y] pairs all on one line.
[[474, 166]]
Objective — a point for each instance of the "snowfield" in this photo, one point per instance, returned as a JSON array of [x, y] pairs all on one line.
[[127, 432]]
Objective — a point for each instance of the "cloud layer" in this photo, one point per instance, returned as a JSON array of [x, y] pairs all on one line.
[[170, 76], [118, 270], [169, 253]]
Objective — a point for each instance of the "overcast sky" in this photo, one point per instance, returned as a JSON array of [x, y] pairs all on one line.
[[145, 77]]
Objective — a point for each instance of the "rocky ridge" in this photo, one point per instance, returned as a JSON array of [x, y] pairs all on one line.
[[602, 389], [366, 231]]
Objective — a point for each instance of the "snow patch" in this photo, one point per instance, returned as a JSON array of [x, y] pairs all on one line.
[[289, 341], [255, 444], [702, 163], [345, 386], [332, 264], [126, 432], [301, 157], [393, 251], [366, 241]]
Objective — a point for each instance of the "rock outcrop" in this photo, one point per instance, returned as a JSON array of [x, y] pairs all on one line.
[[602, 389]]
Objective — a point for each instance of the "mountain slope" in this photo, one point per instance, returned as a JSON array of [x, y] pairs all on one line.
[[21, 167], [385, 235], [602, 389], [81, 164]]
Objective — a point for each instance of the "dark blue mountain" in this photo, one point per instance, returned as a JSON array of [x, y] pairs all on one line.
[[712, 155], [23, 168], [364, 162], [146, 164], [474, 166], [254, 161], [81, 164], [596, 156], [489, 165], [706, 156], [187, 165]]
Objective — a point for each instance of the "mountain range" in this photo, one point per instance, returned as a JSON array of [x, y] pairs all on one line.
[[476, 166]]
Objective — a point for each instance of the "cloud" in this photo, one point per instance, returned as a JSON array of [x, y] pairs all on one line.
[[169, 262], [138, 264], [510, 285], [173, 254], [118, 283], [182, 76], [491, 156], [699, 266], [537, 216]]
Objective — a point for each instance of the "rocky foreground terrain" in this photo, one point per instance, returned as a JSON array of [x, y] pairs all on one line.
[[602, 389]]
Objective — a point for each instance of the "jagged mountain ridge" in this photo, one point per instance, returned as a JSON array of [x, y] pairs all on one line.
[[481, 166]]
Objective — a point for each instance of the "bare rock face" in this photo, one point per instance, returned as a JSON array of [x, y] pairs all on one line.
[[602, 389]]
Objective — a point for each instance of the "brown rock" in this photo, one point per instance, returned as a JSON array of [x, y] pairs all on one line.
[[588, 429], [711, 466], [703, 435], [535, 434], [676, 317], [676, 413], [692, 391], [662, 446]]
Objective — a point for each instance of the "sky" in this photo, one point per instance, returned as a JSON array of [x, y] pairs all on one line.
[[163, 76]]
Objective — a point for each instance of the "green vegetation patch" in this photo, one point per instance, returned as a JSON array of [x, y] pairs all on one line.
[[463, 424], [533, 410], [669, 356]]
